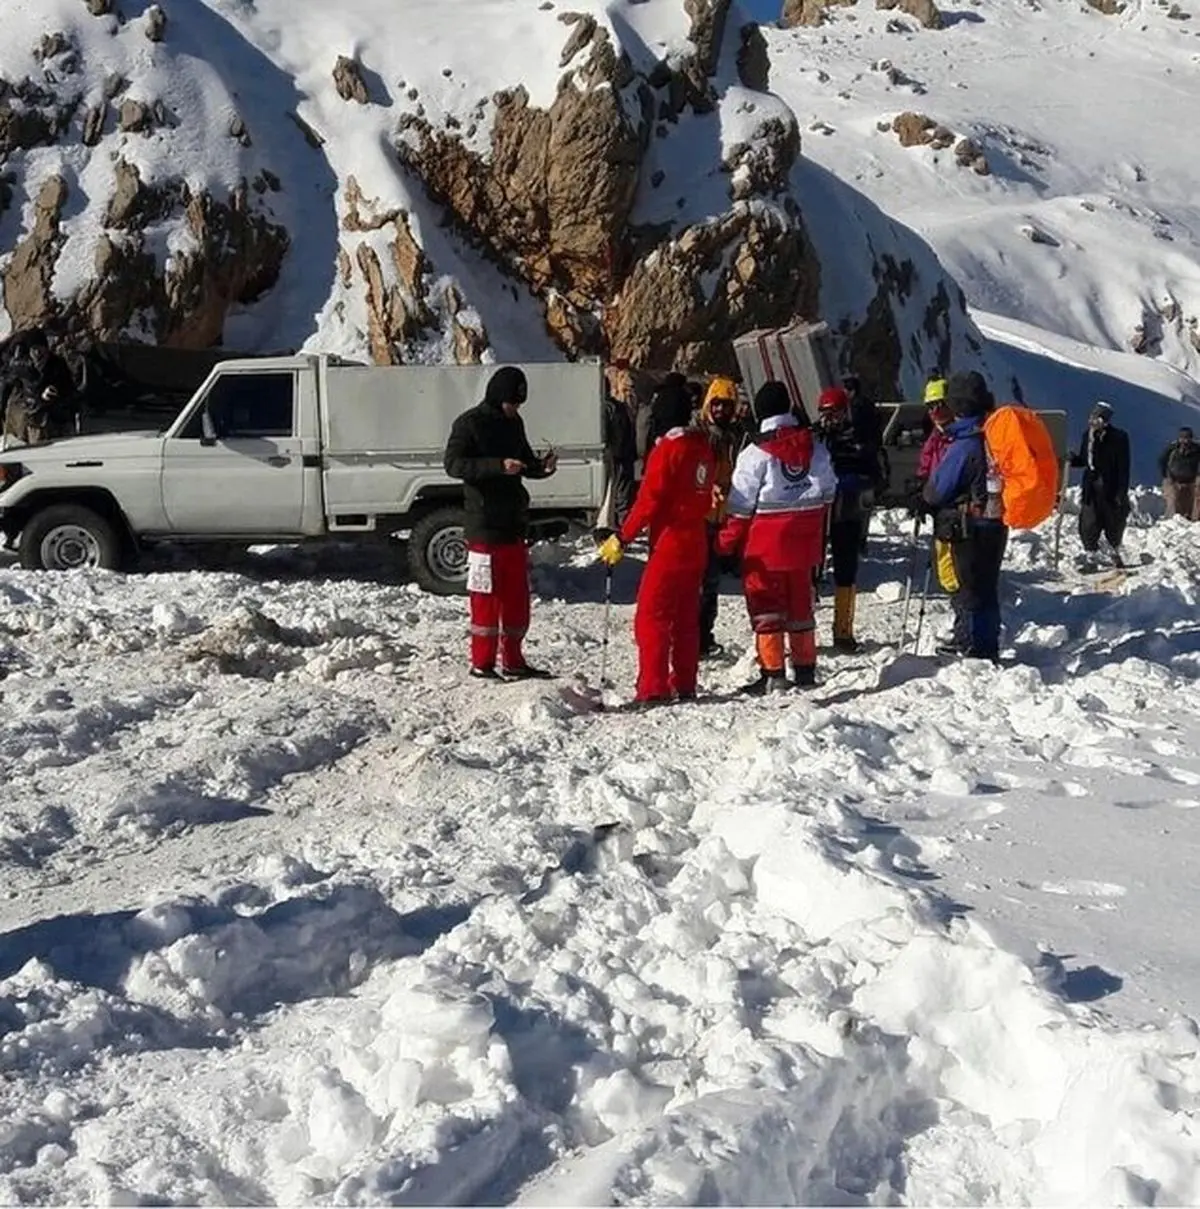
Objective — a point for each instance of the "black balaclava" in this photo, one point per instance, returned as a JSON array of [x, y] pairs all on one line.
[[772, 399], [506, 385]]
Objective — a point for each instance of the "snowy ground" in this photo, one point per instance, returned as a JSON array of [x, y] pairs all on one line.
[[293, 911]]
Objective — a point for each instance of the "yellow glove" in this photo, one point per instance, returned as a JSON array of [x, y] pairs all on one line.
[[611, 551]]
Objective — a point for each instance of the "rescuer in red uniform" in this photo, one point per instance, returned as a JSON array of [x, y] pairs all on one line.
[[673, 502], [782, 484]]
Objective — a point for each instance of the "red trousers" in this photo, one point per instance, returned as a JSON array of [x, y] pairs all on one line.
[[666, 628], [498, 586], [781, 605]]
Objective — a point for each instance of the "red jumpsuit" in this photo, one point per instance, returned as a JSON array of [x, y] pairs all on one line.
[[673, 502], [777, 502]]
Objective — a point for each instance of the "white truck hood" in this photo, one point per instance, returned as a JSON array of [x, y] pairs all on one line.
[[101, 447]]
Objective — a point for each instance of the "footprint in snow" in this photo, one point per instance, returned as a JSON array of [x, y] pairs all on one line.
[[1083, 888]]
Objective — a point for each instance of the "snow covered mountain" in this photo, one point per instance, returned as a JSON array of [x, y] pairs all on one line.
[[371, 178]]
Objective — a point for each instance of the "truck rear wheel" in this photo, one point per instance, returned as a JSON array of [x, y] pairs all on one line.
[[65, 537], [437, 552]]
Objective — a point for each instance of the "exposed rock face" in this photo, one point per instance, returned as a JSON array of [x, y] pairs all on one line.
[[30, 273], [925, 11], [232, 252], [156, 23], [1110, 8], [754, 59], [554, 200], [763, 272], [349, 82], [809, 12], [917, 130]]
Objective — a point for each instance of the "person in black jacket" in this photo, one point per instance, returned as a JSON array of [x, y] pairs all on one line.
[[853, 445], [1104, 495], [37, 390], [489, 452], [620, 440], [1179, 466]]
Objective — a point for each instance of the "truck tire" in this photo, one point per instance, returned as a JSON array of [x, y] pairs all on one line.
[[437, 552], [65, 537]]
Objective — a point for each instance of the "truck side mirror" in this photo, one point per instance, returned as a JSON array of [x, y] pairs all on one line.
[[208, 430]]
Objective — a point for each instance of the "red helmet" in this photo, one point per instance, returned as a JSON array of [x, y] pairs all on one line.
[[833, 398]]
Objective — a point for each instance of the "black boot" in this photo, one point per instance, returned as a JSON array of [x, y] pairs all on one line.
[[804, 677], [484, 673]]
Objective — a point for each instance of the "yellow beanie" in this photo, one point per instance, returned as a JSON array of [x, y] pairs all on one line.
[[935, 390]]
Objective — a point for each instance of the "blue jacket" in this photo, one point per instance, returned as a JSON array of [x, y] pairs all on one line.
[[962, 474]]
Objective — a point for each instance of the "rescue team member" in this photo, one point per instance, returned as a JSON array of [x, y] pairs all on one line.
[[964, 495], [489, 452], [781, 486], [717, 419], [673, 502], [854, 450]]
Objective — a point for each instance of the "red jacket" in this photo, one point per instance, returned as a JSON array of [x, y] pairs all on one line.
[[932, 452], [781, 487], [675, 498]]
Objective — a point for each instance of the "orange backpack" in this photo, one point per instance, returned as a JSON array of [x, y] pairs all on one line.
[[1019, 444]]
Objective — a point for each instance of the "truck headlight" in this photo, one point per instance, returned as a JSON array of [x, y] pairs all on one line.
[[9, 475]]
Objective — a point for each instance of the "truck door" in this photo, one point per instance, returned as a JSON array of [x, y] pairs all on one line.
[[241, 471]]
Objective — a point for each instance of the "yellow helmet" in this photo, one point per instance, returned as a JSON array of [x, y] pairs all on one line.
[[935, 390]]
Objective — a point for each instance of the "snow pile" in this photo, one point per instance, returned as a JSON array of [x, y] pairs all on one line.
[[295, 911]]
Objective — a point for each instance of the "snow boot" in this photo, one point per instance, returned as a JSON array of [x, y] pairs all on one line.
[[484, 673], [804, 677], [843, 619]]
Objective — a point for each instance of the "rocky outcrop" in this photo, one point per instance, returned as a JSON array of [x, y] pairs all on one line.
[[917, 130], [925, 11], [754, 59], [349, 82], [28, 297], [683, 305], [31, 116], [553, 203], [155, 26], [552, 200], [810, 12], [230, 252]]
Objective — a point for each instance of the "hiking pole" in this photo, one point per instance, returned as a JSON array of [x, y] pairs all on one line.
[[1058, 520], [924, 598], [608, 582]]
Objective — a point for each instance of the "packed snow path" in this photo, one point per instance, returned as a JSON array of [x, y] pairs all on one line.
[[293, 911]]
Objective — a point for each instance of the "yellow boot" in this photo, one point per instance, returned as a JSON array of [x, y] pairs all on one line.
[[843, 619]]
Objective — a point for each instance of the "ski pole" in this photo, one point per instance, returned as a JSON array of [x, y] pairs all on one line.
[[608, 581], [924, 598]]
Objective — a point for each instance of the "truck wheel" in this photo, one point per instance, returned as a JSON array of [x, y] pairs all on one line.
[[64, 537], [437, 552]]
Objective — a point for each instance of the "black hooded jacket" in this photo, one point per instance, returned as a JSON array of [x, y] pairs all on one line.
[[481, 439], [1106, 472]]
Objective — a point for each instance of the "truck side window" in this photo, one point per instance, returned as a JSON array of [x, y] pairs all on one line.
[[247, 406]]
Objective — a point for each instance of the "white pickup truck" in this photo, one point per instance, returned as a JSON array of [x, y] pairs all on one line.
[[300, 449]]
